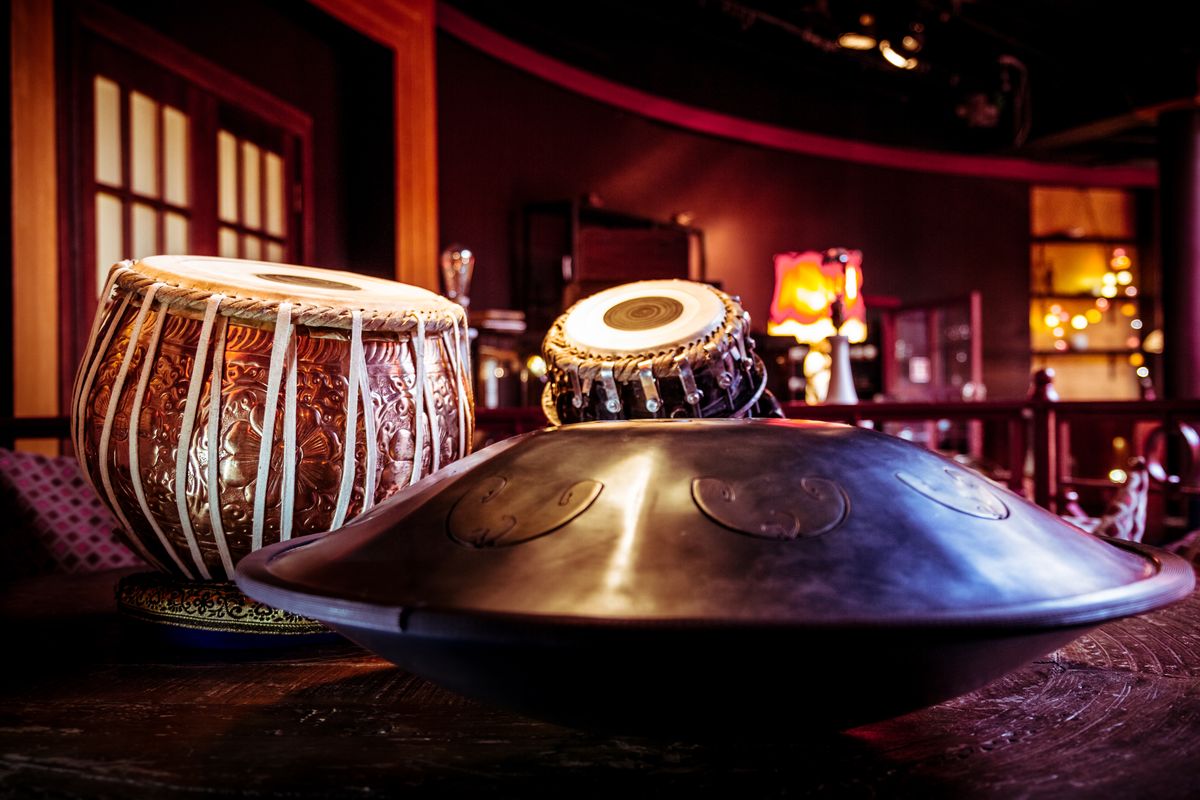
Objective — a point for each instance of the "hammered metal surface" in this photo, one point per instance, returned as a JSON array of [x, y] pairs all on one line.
[[772, 506], [488, 516], [955, 489], [645, 550]]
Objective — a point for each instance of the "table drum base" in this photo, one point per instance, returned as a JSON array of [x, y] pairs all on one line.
[[211, 614]]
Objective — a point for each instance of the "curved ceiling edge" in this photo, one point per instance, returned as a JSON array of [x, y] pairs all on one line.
[[700, 120]]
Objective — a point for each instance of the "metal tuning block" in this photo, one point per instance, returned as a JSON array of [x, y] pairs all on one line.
[[612, 400], [576, 392], [691, 393], [649, 386]]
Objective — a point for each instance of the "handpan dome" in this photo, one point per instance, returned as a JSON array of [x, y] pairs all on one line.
[[679, 573]]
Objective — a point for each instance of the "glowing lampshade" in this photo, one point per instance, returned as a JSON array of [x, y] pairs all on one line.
[[806, 285]]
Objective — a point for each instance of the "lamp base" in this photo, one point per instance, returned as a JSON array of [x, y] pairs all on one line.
[[841, 379], [210, 614]]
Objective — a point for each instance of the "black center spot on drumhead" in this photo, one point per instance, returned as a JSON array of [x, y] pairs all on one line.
[[643, 313]]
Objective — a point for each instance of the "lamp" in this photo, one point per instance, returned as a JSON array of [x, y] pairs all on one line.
[[817, 299]]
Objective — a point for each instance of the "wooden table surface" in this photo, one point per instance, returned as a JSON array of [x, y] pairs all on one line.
[[90, 710]]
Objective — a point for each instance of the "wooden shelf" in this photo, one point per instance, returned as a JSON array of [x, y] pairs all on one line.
[[1096, 352], [1085, 296], [1064, 239]]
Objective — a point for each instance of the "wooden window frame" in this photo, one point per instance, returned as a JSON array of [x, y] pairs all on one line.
[[406, 27], [200, 89]]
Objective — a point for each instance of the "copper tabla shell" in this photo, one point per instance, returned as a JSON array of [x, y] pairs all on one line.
[[322, 380]]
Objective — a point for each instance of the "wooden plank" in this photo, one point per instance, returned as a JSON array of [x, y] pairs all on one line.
[[90, 710], [35, 214]]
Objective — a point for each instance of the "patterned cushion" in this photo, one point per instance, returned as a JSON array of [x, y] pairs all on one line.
[[53, 521]]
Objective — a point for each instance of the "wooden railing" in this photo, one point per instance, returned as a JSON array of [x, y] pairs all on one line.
[[1053, 452], [1049, 451]]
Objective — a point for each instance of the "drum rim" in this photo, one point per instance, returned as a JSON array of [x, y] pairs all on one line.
[[697, 293], [560, 353], [434, 313]]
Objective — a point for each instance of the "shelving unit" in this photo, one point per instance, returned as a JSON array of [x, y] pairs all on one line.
[[1089, 268]]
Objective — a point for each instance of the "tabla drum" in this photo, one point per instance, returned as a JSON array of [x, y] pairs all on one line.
[[224, 404], [654, 349]]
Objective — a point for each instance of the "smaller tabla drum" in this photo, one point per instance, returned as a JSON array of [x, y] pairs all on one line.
[[224, 404], [654, 349]]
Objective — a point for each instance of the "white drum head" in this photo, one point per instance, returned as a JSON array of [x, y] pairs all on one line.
[[643, 317], [263, 280]]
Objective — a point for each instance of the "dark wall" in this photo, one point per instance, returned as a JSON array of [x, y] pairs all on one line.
[[506, 139], [343, 80]]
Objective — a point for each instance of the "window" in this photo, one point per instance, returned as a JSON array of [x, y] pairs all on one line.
[[171, 154], [142, 161]]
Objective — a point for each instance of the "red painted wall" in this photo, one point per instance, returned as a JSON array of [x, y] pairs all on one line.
[[506, 139]]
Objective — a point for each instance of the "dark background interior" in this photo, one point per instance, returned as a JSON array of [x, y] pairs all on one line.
[[506, 139]]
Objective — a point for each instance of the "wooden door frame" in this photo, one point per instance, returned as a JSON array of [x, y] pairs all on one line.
[[406, 27]]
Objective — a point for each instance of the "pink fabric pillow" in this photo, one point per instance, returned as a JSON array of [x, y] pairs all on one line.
[[53, 521]]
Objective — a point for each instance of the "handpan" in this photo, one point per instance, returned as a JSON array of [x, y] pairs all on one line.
[[654, 349], [689, 574], [225, 404]]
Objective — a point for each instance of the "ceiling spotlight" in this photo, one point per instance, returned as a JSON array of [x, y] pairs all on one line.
[[860, 37], [894, 58], [857, 41]]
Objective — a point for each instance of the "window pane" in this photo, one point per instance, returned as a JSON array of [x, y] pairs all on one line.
[[227, 244], [273, 177], [251, 186], [251, 247], [175, 156], [227, 202], [176, 233], [143, 144], [145, 231], [274, 252], [108, 130], [109, 247]]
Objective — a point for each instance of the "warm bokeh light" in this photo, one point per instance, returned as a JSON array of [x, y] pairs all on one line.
[[1109, 291], [1136, 359], [894, 58], [1128, 309], [1079, 322], [1117, 475], [1153, 343], [856, 41], [1051, 320], [1143, 372], [1058, 330], [536, 366], [1124, 277], [1093, 315]]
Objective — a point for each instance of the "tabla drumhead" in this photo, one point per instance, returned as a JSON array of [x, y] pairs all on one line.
[[289, 282], [643, 317]]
